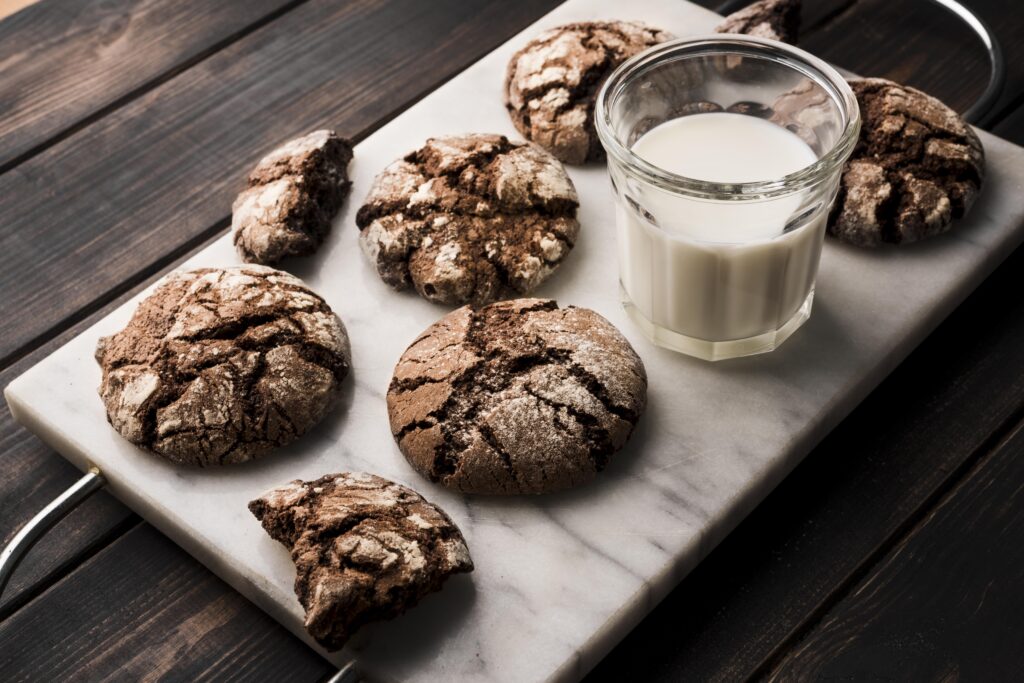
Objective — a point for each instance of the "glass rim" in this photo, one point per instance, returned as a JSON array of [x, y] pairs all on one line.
[[725, 44]]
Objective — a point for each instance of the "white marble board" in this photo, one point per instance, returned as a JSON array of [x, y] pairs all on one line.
[[561, 578]]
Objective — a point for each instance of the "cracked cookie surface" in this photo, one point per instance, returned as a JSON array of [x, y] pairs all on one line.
[[293, 194], [365, 549], [469, 219], [517, 397], [772, 19], [551, 84], [916, 168], [218, 366]]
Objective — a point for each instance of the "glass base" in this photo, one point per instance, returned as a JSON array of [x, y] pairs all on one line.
[[718, 350]]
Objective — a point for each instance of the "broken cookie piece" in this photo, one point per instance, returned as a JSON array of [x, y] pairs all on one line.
[[293, 194], [365, 549]]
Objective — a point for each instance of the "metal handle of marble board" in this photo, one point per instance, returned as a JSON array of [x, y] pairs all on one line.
[[58, 509], [980, 113]]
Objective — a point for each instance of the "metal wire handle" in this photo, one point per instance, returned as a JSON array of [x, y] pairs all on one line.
[[979, 113], [58, 508]]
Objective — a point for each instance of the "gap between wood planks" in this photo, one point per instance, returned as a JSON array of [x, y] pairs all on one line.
[[25, 597]]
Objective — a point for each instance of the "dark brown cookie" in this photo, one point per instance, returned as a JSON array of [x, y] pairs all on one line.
[[517, 397], [293, 194], [772, 19], [472, 218], [219, 366], [365, 549], [916, 167], [551, 84]]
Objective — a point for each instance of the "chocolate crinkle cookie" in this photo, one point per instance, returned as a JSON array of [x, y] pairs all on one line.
[[365, 549], [470, 218], [551, 84], [517, 397], [292, 195], [218, 366], [772, 19], [916, 167]]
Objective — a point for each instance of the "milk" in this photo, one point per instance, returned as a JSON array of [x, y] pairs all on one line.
[[720, 270]]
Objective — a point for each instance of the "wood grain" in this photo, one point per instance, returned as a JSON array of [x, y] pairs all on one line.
[[126, 194], [140, 608], [1012, 126], [62, 63], [946, 603]]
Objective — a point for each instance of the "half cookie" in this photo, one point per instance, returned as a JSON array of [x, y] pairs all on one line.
[[517, 397], [293, 194], [472, 218], [916, 168], [219, 366], [551, 84], [365, 549]]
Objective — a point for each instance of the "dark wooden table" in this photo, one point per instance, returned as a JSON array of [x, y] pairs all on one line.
[[894, 552]]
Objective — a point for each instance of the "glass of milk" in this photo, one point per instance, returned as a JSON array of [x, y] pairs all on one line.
[[725, 155]]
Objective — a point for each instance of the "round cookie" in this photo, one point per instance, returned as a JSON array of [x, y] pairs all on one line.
[[517, 397], [551, 84], [469, 219], [364, 548], [916, 168], [218, 366]]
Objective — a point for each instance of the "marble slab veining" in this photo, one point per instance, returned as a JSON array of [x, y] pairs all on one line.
[[560, 578]]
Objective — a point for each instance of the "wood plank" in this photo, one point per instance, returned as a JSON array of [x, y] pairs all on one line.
[[1012, 127], [123, 196], [63, 62], [909, 440], [147, 609], [924, 46], [946, 603]]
